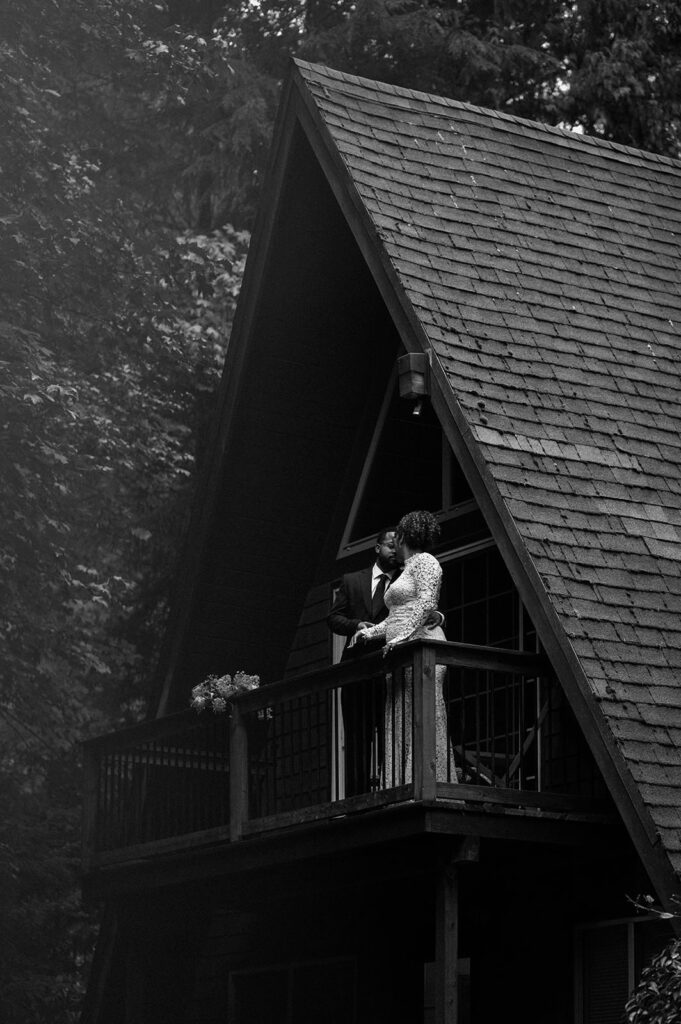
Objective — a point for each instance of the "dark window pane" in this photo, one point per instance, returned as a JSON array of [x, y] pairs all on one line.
[[406, 471], [474, 578], [606, 974], [481, 603], [499, 578]]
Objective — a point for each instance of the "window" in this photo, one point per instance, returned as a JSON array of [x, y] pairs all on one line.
[[480, 601], [410, 465], [610, 956]]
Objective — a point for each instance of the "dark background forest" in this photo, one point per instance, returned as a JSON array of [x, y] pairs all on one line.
[[134, 142]]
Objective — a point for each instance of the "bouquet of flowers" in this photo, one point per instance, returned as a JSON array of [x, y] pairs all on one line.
[[215, 692]]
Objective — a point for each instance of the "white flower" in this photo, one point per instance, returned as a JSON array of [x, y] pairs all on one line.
[[215, 691]]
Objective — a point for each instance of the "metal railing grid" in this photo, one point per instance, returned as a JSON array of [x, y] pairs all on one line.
[[358, 734]]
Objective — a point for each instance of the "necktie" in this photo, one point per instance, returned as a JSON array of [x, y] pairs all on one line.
[[377, 602]]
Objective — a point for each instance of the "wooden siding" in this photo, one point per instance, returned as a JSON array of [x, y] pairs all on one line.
[[311, 648], [519, 908]]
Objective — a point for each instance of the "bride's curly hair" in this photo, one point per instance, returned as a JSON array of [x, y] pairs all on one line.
[[419, 530]]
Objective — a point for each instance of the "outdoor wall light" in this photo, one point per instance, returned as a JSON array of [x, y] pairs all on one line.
[[413, 374]]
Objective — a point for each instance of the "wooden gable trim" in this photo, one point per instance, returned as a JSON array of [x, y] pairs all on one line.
[[501, 524], [204, 509], [446, 512], [346, 546], [360, 223]]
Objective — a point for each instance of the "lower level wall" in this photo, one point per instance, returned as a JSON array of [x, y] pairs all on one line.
[[350, 942]]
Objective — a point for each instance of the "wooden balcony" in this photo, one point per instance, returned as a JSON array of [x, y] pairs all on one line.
[[278, 762]]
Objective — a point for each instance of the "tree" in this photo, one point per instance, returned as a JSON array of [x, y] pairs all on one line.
[[610, 67], [115, 311], [494, 55], [623, 60]]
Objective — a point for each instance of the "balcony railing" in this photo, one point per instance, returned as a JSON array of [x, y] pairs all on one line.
[[434, 721]]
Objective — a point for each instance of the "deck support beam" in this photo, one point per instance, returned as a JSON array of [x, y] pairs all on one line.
[[238, 775], [447, 932]]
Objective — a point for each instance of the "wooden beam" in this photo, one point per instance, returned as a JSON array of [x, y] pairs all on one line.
[[571, 805], [467, 851], [479, 812], [330, 811], [423, 705], [493, 659], [447, 946], [238, 776], [214, 856], [357, 216]]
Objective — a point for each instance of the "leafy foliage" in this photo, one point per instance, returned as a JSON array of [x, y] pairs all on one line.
[[611, 68], [657, 999], [624, 72], [472, 51], [115, 312]]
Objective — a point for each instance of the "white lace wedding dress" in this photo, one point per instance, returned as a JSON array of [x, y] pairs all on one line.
[[410, 600]]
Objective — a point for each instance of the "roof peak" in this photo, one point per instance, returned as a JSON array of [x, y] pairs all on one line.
[[318, 72]]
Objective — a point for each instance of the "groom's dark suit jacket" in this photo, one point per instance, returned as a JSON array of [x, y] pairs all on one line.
[[362, 702], [352, 606]]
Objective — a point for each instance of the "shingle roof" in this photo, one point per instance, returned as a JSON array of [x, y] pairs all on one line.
[[544, 268]]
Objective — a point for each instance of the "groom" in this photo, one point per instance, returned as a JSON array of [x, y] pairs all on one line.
[[360, 602]]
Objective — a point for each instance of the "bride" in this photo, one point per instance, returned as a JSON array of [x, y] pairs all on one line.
[[410, 601]]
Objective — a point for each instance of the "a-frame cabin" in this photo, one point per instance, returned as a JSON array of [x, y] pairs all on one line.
[[453, 309]]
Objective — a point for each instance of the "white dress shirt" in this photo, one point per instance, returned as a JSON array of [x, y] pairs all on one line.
[[375, 573]]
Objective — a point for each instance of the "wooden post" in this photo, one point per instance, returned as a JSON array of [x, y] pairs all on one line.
[[238, 775], [447, 946], [425, 783], [447, 933]]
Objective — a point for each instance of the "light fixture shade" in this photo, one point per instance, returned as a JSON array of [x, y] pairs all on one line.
[[413, 372]]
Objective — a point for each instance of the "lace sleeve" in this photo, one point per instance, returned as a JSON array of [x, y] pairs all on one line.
[[376, 632], [427, 574]]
